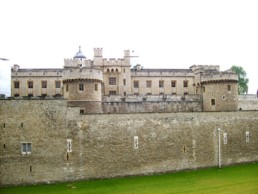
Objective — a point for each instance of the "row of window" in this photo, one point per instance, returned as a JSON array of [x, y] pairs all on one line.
[[31, 85], [161, 84], [112, 81], [247, 137], [81, 87], [111, 92], [26, 148]]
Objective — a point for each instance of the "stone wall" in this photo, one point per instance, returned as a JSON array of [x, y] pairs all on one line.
[[248, 102], [151, 103], [110, 145]]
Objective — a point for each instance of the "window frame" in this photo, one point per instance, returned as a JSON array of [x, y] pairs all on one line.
[[112, 92], [173, 84], [57, 83], [161, 83], [30, 84], [26, 147], [44, 84], [136, 84], [81, 87], [148, 83], [15, 84], [185, 83], [112, 81], [96, 87]]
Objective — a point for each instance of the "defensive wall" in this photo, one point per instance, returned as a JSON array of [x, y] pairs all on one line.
[[68, 146], [248, 102], [151, 103]]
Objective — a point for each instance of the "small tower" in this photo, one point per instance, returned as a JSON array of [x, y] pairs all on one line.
[[82, 84], [219, 89], [79, 60], [98, 58]]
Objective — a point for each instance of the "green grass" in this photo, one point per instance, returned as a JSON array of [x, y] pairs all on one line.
[[234, 179]]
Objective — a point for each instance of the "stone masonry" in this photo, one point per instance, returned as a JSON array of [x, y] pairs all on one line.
[[68, 146]]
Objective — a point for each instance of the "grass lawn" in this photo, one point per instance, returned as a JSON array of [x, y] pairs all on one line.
[[234, 179]]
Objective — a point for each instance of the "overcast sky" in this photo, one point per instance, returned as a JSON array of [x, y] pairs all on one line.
[[164, 33]]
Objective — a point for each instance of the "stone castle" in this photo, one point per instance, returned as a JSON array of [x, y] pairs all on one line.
[[94, 84], [99, 119]]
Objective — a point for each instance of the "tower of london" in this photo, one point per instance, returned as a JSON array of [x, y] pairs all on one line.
[[101, 85], [102, 118]]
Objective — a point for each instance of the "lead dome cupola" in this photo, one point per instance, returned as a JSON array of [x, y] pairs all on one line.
[[79, 54]]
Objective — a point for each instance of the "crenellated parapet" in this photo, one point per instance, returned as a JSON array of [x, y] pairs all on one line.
[[82, 74], [72, 63], [219, 77], [205, 68]]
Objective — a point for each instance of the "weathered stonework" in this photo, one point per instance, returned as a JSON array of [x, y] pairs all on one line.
[[83, 81], [105, 145], [248, 102]]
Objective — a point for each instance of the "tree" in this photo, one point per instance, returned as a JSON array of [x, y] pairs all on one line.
[[242, 80]]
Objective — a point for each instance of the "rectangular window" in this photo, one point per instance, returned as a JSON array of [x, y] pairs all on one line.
[[229, 87], [30, 84], [112, 81], [67, 87], [16, 84], [81, 87], [26, 148], [82, 110], [44, 84], [185, 84], [136, 142], [58, 84], [148, 84], [173, 84], [124, 82], [96, 87], [161, 84], [213, 102], [136, 84], [225, 138], [69, 145], [247, 136], [112, 92]]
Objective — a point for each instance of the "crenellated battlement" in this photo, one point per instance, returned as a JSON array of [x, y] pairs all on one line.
[[114, 62], [219, 77], [77, 63], [83, 73], [37, 73], [198, 68]]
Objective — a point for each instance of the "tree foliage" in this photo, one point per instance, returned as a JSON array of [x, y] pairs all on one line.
[[242, 79]]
